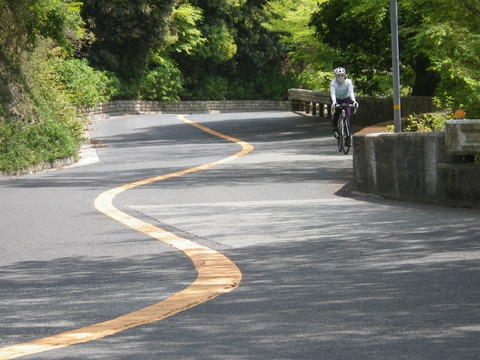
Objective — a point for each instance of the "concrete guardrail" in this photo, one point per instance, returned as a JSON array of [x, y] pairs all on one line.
[[371, 111], [422, 167], [309, 101], [462, 137]]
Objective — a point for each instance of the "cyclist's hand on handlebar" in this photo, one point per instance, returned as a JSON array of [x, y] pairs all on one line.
[[334, 105], [355, 104]]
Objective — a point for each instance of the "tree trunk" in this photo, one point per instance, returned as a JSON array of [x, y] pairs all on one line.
[[426, 81]]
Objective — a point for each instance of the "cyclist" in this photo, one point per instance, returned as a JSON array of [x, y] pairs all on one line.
[[341, 92]]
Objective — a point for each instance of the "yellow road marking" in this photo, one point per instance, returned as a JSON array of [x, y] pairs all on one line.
[[216, 273]]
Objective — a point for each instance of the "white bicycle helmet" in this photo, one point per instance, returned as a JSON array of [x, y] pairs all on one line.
[[339, 71]]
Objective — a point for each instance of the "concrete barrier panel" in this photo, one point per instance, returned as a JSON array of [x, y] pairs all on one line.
[[460, 184], [463, 136]]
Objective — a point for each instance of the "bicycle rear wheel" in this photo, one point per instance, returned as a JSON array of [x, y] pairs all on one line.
[[347, 138]]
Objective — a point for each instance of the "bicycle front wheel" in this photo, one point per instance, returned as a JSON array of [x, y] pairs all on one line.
[[340, 127], [347, 138]]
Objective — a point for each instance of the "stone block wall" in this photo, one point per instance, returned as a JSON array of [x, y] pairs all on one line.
[[122, 107]]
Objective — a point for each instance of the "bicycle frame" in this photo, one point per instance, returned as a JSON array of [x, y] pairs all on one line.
[[344, 140]]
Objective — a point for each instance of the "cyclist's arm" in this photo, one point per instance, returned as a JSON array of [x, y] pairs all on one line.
[[332, 92], [351, 92]]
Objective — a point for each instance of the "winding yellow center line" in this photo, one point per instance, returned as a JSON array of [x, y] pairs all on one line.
[[216, 273]]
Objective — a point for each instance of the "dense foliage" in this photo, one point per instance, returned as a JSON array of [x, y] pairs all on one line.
[[60, 55], [440, 46], [125, 33]]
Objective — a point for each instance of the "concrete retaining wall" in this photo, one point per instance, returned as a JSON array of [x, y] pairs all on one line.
[[415, 167]]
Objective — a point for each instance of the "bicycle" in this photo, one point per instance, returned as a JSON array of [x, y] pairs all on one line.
[[344, 140]]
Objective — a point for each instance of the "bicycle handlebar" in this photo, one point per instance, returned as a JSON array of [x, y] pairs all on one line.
[[347, 105]]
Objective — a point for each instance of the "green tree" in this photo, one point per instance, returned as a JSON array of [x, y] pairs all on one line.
[[31, 31], [203, 67], [23, 23], [162, 79], [440, 46], [125, 33], [258, 70], [183, 34], [451, 43], [38, 121], [360, 34], [308, 59], [239, 58]]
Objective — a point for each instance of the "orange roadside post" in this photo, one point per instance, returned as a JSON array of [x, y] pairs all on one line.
[[460, 114]]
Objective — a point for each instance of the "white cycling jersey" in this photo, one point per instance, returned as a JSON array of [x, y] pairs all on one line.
[[341, 90]]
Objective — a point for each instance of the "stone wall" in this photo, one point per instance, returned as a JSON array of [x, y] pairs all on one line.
[[123, 107]]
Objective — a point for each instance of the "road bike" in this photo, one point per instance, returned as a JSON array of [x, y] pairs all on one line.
[[344, 139]]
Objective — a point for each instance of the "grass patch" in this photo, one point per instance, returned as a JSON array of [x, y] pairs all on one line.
[[23, 145]]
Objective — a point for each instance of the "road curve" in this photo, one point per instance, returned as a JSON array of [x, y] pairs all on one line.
[[216, 273]]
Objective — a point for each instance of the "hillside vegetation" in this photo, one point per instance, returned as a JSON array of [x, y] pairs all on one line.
[[57, 56]]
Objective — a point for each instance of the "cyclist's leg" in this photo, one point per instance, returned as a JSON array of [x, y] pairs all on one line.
[[348, 130], [348, 109], [348, 114]]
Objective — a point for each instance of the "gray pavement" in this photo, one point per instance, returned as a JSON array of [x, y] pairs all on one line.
[[324, 276]]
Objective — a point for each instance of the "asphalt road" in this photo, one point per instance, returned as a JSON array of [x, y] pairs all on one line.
[[324, 276]]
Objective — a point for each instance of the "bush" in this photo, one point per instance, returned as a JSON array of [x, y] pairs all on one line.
[[86, 87], [23, 145], [423, 123], [210, 88], [39, 122], [162, 82], [426, 123], [463, 97]]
